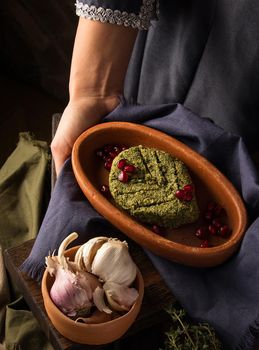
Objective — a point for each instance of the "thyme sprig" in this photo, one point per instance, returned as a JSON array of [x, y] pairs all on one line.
[[185, 335]]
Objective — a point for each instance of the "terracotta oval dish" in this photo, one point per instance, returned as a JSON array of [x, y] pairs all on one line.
[[179, 245], [92, 334]]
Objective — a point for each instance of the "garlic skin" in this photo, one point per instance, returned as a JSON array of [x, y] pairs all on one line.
[[99, 302], [113, 263], [72, 290], [120, 297], [97, 317], [85, 254]]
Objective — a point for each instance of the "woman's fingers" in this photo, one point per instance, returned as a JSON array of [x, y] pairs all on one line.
[[76, 118], [60, 154]]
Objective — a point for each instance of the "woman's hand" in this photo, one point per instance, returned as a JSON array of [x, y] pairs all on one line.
[[77, 117], [100, 59]]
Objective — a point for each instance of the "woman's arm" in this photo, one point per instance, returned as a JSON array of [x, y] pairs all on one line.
[[100, 58]]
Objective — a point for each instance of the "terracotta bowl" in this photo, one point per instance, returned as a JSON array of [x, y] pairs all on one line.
[[179, 245], [92, 334]]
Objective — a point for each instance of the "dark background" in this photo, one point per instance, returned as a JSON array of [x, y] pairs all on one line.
[[36, 40]]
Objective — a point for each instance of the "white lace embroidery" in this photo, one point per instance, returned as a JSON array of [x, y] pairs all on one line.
[[140, 21]]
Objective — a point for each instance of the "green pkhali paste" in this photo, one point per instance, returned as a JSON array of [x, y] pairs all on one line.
[[149, 195]]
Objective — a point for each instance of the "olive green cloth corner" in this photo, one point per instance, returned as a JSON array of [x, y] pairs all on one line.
[[22, 182], [22, 329]]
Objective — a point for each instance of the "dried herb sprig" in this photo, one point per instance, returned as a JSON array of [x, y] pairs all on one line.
[[184, 335]]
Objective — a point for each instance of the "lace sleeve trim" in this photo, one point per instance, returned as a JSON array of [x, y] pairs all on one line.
[[139, 21]]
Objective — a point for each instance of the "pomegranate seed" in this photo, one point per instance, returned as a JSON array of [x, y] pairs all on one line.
[[213, 230], [108, 165], [105, 189], [216, 223], [218, 210], [108, 148], [123, 147], [156, 229], [201, 233], [130, 168], [224, 230], [107, 158], [99, 153], [117, 149], [188, 188], [122, 163], [188, 196], [204, 244], [211, 206], [180, 194], [209, 216], [123, 176], [113, 154]]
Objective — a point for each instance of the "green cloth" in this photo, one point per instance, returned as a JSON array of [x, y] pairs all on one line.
[[21, 189], [22, 183], [22, 330]]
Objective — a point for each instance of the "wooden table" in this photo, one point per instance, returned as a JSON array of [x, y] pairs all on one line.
[[156, 298]]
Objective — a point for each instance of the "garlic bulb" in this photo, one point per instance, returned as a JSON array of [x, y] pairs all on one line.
[[109, 260], [72, 290], [112, 262]]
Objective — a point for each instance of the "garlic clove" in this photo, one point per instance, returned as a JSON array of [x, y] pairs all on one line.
[[98, 298], [90, 249], [85, 254], [67, 292], [120, 297], [114, 305], [78, 258], [112, 262], [72, 290], [97, 317], [87, 281]]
